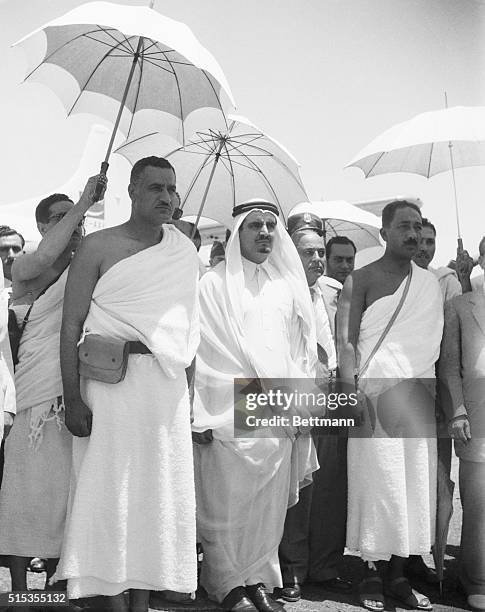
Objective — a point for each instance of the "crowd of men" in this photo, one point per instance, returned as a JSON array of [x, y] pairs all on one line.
[[119, 421]]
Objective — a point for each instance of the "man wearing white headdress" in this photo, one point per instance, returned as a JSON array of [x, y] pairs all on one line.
[[256, 322]]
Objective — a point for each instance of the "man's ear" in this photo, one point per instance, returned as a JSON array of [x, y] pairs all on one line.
[[383, 233], [131, 189]]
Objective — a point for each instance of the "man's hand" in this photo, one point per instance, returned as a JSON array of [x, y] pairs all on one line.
[[202, 437], [7, 423], [464, 265], [459, 429], [79, 417], [88, 195]]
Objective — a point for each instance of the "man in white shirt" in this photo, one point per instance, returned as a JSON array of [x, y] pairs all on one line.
[[340, 259], [256, 323], [314, 537]]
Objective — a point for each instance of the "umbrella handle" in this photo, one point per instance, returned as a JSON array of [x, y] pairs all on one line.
[[460, 245], [99, 185]]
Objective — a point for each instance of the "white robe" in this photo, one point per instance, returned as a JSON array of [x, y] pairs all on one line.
[[392, 480], [256, 321], [132, 522]]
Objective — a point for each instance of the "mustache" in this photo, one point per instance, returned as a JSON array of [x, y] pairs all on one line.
[[411, 241]]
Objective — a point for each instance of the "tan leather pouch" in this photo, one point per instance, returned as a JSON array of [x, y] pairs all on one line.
[[103, 359]]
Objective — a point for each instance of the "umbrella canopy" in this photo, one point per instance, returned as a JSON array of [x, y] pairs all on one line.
[[104, 58], [217, 170], [343, 219], [422, 144]]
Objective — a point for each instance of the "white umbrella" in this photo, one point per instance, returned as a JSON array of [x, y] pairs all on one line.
[[104, 58], [217, 170], [428, 144], [343, 219]]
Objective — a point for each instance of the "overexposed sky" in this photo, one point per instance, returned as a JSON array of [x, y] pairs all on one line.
[[324, 77]]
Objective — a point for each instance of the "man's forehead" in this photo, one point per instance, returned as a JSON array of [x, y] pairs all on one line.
[[342, 250], [406, 214], [259, 215], [153, 174], [311, 238], [427, 232]]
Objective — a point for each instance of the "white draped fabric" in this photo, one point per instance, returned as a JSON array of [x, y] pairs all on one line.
[[35, 488], [392, 480], [256, 321], [132, 521]]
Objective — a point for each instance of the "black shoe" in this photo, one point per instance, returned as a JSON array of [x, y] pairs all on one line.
[[260, 598], [237, 600], [337, 585], [291, 591]]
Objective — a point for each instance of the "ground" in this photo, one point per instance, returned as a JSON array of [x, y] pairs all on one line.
[[316, 599]]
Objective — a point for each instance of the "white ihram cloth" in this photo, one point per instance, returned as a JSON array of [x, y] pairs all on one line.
[[392, 481], [35, 488], [132, 521], [256, 321]]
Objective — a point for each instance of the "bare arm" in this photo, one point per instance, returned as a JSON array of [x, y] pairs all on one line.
[[349, 314], [82, 278], [32, 265]]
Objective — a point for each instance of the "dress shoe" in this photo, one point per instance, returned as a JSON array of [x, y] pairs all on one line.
[[337, 585], [237, 600], [260, 598], [291, 591]]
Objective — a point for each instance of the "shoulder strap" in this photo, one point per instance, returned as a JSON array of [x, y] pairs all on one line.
[[27, 314], [358, 373]]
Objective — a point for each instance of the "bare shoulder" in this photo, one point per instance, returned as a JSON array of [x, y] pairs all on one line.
[[102, 237], [362, 277]]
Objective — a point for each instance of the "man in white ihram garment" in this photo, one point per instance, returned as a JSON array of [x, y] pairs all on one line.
[[132, 521], [256, 322], [392, 465]]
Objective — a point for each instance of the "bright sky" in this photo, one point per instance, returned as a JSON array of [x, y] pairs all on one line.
[[324, 77]]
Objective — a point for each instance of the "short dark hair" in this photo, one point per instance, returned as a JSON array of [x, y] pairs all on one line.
[[338, 240], [6, 230], [141, 164], [43, 207], [427, 223], [390, 209]]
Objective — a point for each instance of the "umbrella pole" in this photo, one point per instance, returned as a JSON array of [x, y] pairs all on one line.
[[460, 241], [204, 198], [450, 148], [105, 164]]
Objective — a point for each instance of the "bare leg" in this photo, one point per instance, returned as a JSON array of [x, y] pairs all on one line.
[[139, 600]]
